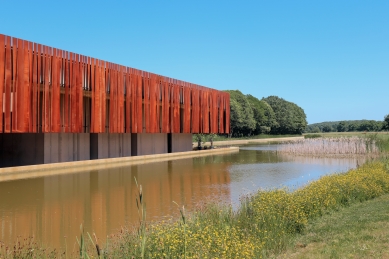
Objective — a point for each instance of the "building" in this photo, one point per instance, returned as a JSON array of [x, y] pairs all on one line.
[[58, 106]]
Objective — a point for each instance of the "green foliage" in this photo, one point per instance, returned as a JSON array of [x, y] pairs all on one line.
[[347, 126], [291, 118], [242, 115], [264, 115], [312, 136], [385, 125], [251, 116]]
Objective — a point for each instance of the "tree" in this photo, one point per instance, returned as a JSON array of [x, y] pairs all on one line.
[[341, 127], [264, 115], [385, 126], [291, 119], [242, 116]]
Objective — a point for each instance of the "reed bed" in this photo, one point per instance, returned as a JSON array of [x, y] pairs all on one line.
[[331, 146], [261, 227]]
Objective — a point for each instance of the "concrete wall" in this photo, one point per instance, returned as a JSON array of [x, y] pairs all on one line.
[[148, 143], [181, 142], [18, 149], [66, 147], [110, 145]]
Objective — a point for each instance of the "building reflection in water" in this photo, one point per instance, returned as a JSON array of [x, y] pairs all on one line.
[[53, 208]]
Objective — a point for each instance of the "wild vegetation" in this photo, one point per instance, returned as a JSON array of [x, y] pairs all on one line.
[[331, 146], [271, 115]]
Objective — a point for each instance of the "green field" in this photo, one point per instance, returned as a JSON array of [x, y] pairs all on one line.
[[358, 231]]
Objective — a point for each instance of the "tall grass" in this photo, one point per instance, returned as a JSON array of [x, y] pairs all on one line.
[[331, 146], [262, 226]]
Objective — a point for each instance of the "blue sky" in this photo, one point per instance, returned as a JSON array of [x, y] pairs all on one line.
[[329, 57]]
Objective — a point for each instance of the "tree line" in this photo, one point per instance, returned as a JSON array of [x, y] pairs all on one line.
[[349, 126], [270, 115]]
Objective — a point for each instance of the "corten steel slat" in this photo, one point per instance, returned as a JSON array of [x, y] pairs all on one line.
[[25, 115], [30, 95], [139, 101], [72, 111], [186, 115], [55, 97], [80, 108], [67, 92], [170, 86], [165, 107], [19, 107], [227, 126], [38, 88], [113, 100], [99, 96], [146, 103], [7, 86], [220, 109], [153, 104], [213, 111], [34, 86], [92, 90], [121, 99], [14, 102], [111, 97], [176, 109], [103, 89], [128, 101], [72, 93], [204, 109], [158, 103], [45, 115], [109, 85], [2, 79], [77, 91], [134, 110], [194, 105]]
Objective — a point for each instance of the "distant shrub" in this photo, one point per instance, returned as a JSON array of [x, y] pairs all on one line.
[[312, 136]]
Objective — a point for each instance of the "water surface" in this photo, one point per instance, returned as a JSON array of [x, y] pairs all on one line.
[[52, 208]]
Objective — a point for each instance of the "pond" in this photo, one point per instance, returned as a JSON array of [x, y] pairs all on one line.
[[53, 208]]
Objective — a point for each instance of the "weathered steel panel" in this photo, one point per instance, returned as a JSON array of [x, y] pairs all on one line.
[[227, 101], [2, 77], [45, 90], [7, 86]]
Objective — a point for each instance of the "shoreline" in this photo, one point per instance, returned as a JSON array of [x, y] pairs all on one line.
[[34, 171], [239, 142]]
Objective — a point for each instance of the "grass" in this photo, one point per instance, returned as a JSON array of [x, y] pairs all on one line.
[[358, 231]]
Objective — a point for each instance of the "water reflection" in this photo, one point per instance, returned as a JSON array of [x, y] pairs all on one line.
[[104, 200], [52, 208]]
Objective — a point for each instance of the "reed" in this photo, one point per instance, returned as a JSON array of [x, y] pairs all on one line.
[[331, 146]]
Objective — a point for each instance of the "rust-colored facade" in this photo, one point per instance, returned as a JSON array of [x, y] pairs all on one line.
[[51, 90], [59, 93]]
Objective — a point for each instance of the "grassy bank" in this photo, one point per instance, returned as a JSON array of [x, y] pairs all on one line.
[[265, 225], [358, 231]]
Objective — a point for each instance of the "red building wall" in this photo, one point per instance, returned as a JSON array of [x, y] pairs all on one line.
[[46, 90]]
